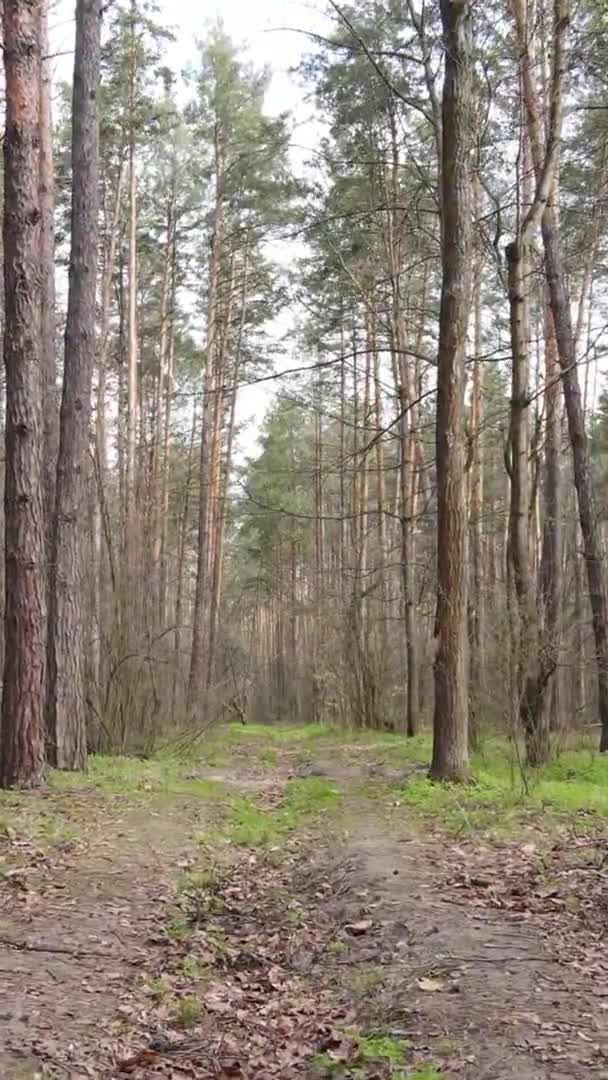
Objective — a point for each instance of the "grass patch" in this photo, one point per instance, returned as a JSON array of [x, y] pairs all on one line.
[[250, 825], [504, 794], [284, 734], [268, 757], [392, 748], [131, 776], [369, 1053], [24, 817], [384, 1048]]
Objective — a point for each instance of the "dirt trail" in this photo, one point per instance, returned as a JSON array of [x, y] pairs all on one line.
[[377, 934], [80, 923], [478, 988]]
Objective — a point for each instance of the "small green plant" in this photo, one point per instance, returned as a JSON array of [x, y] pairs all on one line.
[[378, 1047], [192, 968], [366, 979], [179, 930], [336, 947], [158, 989], [372, 1050], [199, 880], [188, 1011], [268, 757]]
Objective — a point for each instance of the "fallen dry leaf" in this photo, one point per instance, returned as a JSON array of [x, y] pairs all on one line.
[[358, 928], [143, 1057], [431, 986]]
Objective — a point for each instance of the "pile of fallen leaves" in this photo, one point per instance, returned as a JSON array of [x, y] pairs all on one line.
[[569, 877], [27, 869], [249, 969]]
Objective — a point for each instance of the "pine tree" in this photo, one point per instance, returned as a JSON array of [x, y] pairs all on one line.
[[22, 729]]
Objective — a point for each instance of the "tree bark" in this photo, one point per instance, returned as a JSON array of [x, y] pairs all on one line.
[[476, 606], [211, 390], [566, 349], [47, 245], [551, 554], [67, 691], [131, 485], [592, 548], [21, 734], [450, 722]]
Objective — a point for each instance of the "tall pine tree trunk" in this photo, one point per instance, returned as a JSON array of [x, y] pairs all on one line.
[[131, 481], [211, 391], [47, 244], [22, 729], [565, 339], [476, 606], [450, 722], [67, 630]]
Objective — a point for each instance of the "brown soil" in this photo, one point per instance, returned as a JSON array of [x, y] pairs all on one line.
[[482, 989], [373, 929]]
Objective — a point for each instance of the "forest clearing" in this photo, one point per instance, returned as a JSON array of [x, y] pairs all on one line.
[[297, 902]]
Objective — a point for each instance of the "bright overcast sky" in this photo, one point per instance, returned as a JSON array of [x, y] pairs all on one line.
[[273, 33], [260, 25]]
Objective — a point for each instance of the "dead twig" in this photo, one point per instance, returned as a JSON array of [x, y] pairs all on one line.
[[26, 946]]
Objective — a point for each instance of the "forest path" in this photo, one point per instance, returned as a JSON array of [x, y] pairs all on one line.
[[310, 930]]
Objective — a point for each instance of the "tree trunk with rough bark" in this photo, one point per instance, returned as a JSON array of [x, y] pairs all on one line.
[[450, 722], [212, 391], [476, 605], [66, 719], [131, 484], [566, 344], [22, 730], [50, 405]]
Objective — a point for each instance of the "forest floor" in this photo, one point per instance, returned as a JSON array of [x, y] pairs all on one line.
[[294, 903]]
